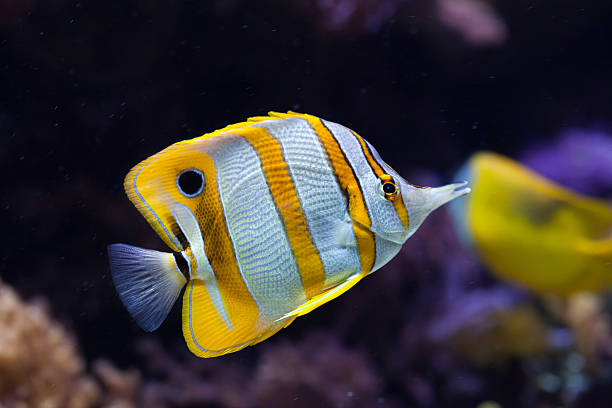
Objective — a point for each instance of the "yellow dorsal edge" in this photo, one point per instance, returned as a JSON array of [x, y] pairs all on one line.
[[240, 125], [249, 122]]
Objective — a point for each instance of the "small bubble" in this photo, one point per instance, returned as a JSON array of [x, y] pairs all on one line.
[[349, 394]]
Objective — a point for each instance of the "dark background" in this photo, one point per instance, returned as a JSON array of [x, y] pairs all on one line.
[[89, 89]]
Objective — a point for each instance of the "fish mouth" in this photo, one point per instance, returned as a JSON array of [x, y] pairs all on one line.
[[461, 188]]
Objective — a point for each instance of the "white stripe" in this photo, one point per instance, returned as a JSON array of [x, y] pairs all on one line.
[[188, 223], [256, 229], [322, 202], [393, 247], [384, 218]]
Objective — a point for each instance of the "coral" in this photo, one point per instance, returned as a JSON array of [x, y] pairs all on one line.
[[475, 20], [496, 336], [348, 16], [580, 159], [589, 322], [191, 381], [122, 389], [317, 371], [39, 362]]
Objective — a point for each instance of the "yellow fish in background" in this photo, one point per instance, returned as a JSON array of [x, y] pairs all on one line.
[[267, 220], [532, 231]]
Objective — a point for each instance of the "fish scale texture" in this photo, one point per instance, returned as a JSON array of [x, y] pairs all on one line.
[[261, 245], [323, 203]]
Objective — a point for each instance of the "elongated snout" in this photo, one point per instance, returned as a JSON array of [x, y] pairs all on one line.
[[420, 202]]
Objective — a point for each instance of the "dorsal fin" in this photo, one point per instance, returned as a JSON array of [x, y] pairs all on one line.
[[250, 121]]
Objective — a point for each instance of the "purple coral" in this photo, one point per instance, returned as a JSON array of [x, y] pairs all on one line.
[[349, 16], [580, 160], [475, 20], [317, 371]]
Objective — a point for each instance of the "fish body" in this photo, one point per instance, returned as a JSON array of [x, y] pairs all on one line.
[[532, 231], [267, 220]]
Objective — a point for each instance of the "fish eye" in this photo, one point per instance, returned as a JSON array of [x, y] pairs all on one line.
[[389, 187], [190, 182]]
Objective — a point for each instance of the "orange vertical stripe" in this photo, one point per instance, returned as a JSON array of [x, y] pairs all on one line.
[[398, 203], [288, 205], [348, 183], [202, 326]]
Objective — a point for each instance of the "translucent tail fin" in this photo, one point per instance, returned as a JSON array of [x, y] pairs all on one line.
[[148, 282]]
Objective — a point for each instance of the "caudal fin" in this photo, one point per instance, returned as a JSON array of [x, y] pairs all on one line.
[[148, 282]]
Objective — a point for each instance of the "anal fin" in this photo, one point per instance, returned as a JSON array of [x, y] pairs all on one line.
[[323, 297], [206, 331]]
